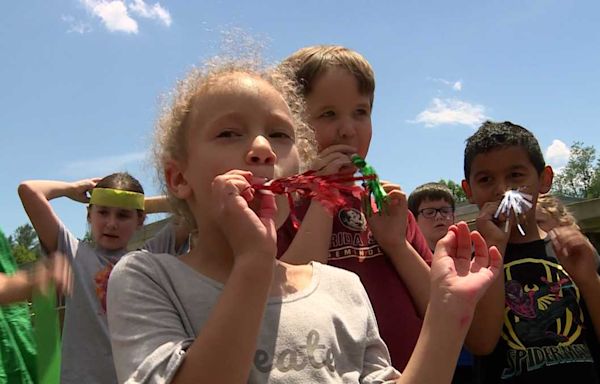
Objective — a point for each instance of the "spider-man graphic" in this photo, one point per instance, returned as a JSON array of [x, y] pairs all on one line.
[[537, 310]]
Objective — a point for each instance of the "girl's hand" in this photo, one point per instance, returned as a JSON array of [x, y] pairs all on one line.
[[457, 281], [389, 228], [79, 189], [249, 231], [333, 159], [575, 253]]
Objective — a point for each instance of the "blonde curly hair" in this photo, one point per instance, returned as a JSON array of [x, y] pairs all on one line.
[[172, 124], [554, 208]]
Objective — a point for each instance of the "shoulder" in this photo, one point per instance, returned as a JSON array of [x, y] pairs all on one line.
[[340, 282], [335, 273], [140, 263]]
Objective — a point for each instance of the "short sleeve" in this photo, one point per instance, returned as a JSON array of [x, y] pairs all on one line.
[[67, 242], [147, 335]]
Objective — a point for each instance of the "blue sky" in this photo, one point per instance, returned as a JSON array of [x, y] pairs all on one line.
[[81, 79]]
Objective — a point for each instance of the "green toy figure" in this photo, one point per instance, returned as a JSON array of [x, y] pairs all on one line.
[[372, 185]]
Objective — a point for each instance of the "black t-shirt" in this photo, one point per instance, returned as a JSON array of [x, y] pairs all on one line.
[[547, 335]]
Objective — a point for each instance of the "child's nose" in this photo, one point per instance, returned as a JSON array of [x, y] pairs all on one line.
[[500, 190], [112, 221], [261, 152], [346, 129]]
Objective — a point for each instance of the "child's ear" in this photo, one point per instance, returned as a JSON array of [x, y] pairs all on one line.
[[546, 178], [467, 188], [176, 181]]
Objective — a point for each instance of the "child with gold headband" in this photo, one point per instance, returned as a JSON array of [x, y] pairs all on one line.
[[117, 208]]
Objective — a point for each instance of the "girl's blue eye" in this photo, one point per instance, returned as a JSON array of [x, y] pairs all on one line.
[[327, 114]]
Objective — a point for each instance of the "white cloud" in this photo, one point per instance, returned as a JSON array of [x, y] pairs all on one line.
[[557, 154], [113, 14], [155, 11], [453, 112], [76, 26], [455, 85], [102, 166]]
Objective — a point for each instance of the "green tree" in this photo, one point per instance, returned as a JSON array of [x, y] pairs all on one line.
[[24, 244], [581, 176], [456, 189], [23, 255]]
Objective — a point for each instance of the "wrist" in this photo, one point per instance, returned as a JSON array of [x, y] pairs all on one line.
[[251, 266], [31, 278], [454, 316], [589, 284], [68, 190], [395, 248]]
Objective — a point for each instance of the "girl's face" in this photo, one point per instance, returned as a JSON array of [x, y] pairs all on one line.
[[112, 228], [241, 122]]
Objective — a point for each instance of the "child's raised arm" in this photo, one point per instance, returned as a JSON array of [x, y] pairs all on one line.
[[160, 204], [489, 314], [389, 230], [35, 196], [578, 256], [312, 241], [457, 284]]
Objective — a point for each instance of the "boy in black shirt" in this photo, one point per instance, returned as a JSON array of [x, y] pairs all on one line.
[[533, 325]]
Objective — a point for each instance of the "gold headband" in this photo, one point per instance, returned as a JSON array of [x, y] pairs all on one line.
[[117, 198]]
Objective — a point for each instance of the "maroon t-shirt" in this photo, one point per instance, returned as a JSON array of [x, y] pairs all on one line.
[[354, 248]]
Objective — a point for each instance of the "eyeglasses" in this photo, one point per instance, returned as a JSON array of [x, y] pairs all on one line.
[[430, 213]]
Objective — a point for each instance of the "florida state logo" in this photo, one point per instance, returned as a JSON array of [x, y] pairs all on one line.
[[353, 219]]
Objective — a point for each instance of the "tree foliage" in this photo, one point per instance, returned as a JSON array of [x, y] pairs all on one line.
[[456, 189], [581, 176], [24, 244]]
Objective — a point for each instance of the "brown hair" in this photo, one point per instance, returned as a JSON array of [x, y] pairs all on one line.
[[308, 63], [171, 127], [429, 191], [122, 181]]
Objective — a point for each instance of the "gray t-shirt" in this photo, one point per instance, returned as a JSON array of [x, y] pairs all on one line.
[[325, 333], [86, 352]]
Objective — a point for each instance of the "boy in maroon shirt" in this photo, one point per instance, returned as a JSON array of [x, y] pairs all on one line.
[[388, 251]]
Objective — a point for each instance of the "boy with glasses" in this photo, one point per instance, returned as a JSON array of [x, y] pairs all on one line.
[[433, 206]]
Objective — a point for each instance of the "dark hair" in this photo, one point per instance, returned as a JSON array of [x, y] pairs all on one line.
[[496, 135], [308, 63], [429, 191], [122, 181]]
